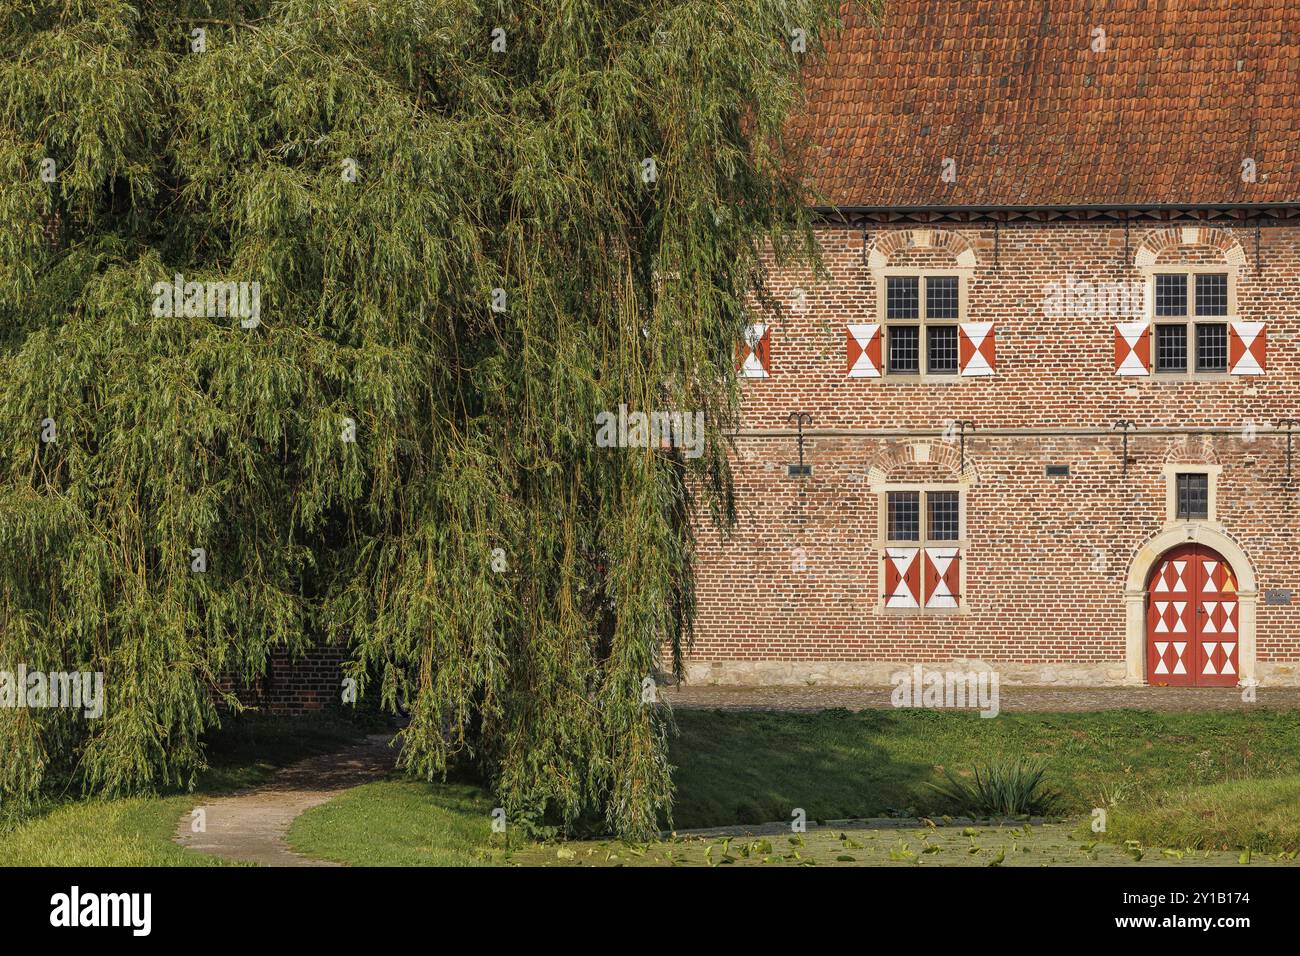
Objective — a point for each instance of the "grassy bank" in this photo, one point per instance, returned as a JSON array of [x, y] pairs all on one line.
[[738, 767], [400, 823], [1260, 815], [749, 767], [1214, 781], [138, 831]]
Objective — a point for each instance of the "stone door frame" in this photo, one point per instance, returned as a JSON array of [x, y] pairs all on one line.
[[1135, 594]]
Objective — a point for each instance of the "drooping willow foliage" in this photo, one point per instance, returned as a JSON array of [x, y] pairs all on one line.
[[474, 227]]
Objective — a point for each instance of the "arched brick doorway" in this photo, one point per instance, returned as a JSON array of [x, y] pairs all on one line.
[[1193, 619]]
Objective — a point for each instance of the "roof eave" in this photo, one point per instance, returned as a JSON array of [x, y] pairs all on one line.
[[1261, 213]]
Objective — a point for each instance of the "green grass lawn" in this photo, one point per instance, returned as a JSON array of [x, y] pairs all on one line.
[[749, 768], [138, 831], [1211, 781], [1262, 815], [400, 823], [132, 832], [753, 767]]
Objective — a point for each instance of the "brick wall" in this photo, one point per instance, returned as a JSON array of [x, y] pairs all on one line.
[[293, 687], [1046, 558]]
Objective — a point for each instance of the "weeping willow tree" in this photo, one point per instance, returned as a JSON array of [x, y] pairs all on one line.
[[461, 231]]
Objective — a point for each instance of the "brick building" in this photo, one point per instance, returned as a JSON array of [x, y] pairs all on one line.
[[1049, 371], [1048, 377]]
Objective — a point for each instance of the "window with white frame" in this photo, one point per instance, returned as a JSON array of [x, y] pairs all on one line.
[[922, 314]]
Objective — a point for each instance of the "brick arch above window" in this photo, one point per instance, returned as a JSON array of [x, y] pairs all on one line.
[[907, 461], [1188, 450], [1159, 247], [893, 241]]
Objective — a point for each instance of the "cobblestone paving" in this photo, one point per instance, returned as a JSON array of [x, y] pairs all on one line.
[[704, 697]]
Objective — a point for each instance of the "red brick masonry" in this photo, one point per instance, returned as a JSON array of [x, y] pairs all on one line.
[[795, 595], [296, 687]]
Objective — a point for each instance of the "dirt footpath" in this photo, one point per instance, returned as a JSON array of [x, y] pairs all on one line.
[[251, 827]]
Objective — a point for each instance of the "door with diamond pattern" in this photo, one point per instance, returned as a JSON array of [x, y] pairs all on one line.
[[1192, 609]]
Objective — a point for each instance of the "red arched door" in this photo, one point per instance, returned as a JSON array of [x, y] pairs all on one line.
[[1192, 608]]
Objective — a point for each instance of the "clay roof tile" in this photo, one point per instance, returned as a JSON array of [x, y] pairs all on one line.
[[1183, 92]]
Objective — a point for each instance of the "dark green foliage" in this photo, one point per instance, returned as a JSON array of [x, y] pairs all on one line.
[[1007, 788], [475, 170]]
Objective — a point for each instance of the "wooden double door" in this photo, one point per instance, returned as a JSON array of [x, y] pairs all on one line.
[[1192, 619]]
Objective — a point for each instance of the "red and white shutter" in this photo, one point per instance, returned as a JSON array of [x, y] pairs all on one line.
[[976, 354], [1247, 348], [1133, 348], [903, 577], [754, 355], [863, 350], [942, 577], [922, 577]]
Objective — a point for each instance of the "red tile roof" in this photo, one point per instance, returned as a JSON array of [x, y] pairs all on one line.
[[1184, 91]]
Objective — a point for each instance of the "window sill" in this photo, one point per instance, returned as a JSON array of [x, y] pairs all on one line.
[[1176, 378], [901, 379], [913, 612]]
